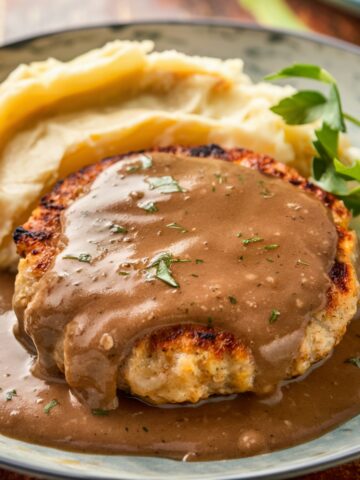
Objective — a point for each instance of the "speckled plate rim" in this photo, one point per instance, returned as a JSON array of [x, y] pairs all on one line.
[[309, 36], [299, 467]]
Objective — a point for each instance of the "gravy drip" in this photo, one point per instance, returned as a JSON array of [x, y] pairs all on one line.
[[226, 428], [260, 241]]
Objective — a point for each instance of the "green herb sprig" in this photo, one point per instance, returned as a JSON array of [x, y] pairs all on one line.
[[307, 106]]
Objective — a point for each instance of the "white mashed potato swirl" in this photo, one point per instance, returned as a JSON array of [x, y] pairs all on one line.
[[56, 117]]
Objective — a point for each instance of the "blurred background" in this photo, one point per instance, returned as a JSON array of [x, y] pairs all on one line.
[[336, 18]]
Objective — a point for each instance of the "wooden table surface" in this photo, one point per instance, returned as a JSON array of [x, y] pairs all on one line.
[[21, 18]]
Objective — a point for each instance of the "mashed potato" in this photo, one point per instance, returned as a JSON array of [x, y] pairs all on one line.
[[56, 117]]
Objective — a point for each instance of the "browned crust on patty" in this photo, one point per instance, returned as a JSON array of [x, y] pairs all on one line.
[[199, 337], [218, 362]]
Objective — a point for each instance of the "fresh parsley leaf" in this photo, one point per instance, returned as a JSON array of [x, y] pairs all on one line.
[[198, 261], [302, 107], [50, 406], [327, 141], [164, 184], [232, 300], [333, 114], [352, 200], [82, 257], [303, 70], [274, 315], [150, 207], [352, 119], [351, 172], [328, 172]]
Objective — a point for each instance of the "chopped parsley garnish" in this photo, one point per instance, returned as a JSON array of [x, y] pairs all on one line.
[[99, 412], [198, 261], [162, 264], [114, 228], [246, 241], [232, 300], [145, 163], [133, 168], [148, 206], [239, 235], [164, 184], [272, 246], [10, 394], [307, 106], [301, 262], [123, 273], [50, 406], [274, 315], [176, 226], [220, 178], [82, 257], [354, 361], [264, 191], [270, 260]]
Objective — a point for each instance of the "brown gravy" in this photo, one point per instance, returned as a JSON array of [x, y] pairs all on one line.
[[225, 428], [234, 263], [265, 250]]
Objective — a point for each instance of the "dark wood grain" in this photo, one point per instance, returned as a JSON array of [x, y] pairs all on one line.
[[20, 18]]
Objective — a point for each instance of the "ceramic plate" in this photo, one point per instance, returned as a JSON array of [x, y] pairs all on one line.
[[263, 51]]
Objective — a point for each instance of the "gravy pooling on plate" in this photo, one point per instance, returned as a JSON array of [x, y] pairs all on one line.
[[249, 253], [225, 428]]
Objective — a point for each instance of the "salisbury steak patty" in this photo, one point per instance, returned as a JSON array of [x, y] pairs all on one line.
[[186, 343]]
